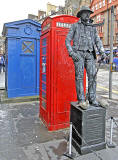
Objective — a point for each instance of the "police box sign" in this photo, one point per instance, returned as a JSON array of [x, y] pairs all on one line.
[[65, 25]]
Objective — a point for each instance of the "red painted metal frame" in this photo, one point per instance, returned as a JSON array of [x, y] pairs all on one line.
[[60, 74]]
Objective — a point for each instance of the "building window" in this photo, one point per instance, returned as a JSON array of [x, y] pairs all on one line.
[[100, 4], [96, 6], [70, 12], [101, 29], [116, 38], [27, 47], [57, 9], [98, 18], [49, 13], [93, 8], [98, 29], [117, 24], [103, 2], [117, 10]]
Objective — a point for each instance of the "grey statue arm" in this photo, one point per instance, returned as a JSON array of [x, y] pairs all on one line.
[[69, 38], [98, 43]]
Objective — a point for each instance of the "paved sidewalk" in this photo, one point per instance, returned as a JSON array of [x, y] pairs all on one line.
[[24, 137]]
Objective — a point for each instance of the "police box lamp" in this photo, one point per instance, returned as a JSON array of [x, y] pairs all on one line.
[[114, 67]]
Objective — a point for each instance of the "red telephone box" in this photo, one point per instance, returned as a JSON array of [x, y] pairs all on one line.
[[57, 75]]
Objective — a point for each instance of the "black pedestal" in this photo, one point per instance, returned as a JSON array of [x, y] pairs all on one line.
[[90, 125]]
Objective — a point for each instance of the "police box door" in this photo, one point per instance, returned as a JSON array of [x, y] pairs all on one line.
[[28, 67]]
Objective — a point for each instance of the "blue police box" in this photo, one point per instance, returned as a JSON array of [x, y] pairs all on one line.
[[22, 49]]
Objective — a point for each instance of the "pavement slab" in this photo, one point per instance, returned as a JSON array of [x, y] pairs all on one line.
[[13, 154]]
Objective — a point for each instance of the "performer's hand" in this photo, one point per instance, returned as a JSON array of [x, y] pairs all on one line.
[[102, 58], [74, 56]]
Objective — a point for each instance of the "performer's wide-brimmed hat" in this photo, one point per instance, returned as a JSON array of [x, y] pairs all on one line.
[[84, 8]]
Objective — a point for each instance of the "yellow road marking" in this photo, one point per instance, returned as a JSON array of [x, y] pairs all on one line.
[[107, 89]]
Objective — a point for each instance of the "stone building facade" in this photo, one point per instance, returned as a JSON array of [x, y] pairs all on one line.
[[2, 47], [51, 11], [32, 16], [41, 16]]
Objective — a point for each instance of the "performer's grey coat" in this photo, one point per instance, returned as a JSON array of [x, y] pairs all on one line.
[[76, 33]]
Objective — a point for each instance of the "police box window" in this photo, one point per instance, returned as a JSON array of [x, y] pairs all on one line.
[[28, 47]]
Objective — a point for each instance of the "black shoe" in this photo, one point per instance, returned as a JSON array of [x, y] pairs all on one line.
[[94, 103]]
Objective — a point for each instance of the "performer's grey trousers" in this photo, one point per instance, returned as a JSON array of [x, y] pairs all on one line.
[[86, 60]]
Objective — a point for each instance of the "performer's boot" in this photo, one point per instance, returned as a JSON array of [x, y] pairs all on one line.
[[83, 105], [94, 103]]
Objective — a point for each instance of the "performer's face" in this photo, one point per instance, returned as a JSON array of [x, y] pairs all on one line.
[[85, 15]]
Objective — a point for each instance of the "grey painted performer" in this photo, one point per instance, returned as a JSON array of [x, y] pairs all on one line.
[[85, 40]]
